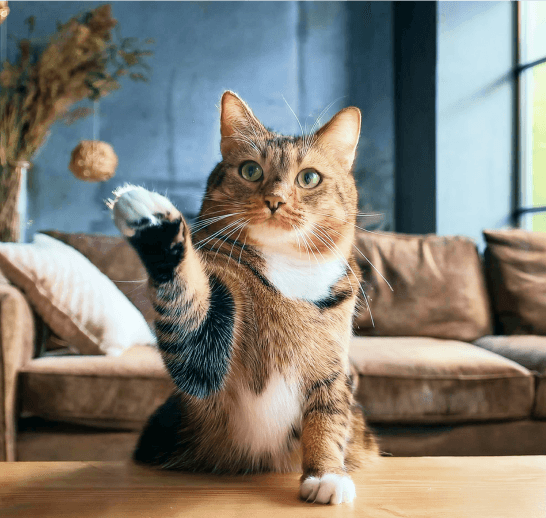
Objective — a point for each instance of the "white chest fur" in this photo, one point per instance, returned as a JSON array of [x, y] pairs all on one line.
[[303, 279], [261, 423]]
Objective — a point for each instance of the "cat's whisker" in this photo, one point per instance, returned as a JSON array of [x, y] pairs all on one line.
[[206, 240], [297, 238], [241, 253], [243, 225], [311, 244], [294, 113], [305, 244], [214, 214], [139, 280], [221, 208], [220, 232], [370, 263], [226, 238], [323, 112], [345, 221], [335, 250], [204, 223], [360, 285]]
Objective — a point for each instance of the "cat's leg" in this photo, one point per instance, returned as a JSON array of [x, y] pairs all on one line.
[[326, 426], [195, 310]]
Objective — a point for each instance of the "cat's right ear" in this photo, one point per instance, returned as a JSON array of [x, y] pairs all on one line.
[[237, 122]]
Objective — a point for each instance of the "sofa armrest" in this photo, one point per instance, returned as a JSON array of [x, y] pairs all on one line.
[[17, 335]]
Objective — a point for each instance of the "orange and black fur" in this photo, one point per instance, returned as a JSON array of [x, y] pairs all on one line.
[[254, 308]]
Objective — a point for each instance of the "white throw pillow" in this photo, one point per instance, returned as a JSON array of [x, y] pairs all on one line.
[[79, 303]]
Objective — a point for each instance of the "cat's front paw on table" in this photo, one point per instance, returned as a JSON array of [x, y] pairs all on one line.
[[135, 208], [328, 489]]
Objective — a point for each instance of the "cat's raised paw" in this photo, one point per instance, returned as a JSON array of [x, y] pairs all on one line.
[[135, 208], [328, 489]]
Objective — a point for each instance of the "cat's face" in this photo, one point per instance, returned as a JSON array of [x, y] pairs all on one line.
[[295, 195]]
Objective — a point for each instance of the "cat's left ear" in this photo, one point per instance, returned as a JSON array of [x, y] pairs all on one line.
[[340, 135], [236, 122]]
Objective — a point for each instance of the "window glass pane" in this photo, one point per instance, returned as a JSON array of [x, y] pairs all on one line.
[[539, 142], [533, 144], [538, 222], [533, 31]]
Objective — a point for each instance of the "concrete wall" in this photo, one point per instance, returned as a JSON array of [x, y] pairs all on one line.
[[166, 132], [475, 106]]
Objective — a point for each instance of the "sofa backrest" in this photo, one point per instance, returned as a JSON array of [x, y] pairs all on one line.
[[438, 287], [516, 271]]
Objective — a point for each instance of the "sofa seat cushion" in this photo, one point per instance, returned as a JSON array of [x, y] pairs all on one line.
[[527, 350], [438, 287], [427, 380], [114, 392]]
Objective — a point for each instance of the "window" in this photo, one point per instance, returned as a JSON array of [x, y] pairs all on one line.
[[532, 120]]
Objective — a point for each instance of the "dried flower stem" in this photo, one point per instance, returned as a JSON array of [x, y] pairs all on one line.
[[81, 60]]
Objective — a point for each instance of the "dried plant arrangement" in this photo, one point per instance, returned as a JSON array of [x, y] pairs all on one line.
[[84, 59]]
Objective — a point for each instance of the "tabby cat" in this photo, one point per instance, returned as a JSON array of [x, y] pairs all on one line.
[[254, 308]]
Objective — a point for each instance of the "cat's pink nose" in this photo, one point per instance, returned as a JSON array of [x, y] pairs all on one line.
[[273, 202]]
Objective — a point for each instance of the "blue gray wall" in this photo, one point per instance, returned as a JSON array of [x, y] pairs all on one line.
[[475, 153], [166, 132]]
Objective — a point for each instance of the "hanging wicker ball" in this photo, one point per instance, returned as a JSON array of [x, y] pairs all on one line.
[[4, 11], [93, 161]]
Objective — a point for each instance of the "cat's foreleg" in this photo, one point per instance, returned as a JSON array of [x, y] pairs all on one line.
[[324, 438], [195, 310]]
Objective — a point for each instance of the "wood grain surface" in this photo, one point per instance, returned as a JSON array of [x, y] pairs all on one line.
[[435, 487]]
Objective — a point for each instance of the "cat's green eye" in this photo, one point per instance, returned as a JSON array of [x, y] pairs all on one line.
[[251, 171], [308, 178]]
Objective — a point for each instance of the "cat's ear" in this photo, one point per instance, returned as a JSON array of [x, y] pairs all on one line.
[[340, 135], [236, 122]]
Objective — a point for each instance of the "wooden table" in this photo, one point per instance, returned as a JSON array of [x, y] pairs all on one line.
[[435, 487]]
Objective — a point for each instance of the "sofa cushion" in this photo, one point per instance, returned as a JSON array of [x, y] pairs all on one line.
[[438, 287], [73, 297], [527, 350], [427, 380], [113, 392], [116, 259], [516, 266]]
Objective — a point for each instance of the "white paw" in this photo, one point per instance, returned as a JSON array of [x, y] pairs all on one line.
[[328, 489], [135, 208]]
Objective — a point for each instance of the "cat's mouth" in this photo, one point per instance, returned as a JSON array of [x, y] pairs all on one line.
[[273, 221], [277, 222]]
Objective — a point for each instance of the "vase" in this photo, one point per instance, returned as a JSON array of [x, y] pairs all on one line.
[[13, 201]]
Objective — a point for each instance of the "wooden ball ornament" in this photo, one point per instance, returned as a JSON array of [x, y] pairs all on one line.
[[93, 161]]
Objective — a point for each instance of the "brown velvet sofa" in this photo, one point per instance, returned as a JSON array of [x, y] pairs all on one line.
[[452, 364]]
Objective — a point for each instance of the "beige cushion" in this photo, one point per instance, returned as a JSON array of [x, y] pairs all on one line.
[[516, 265], [114, 257], [427, 380], [78, 302], [527, 350], [438, 287], [115, 392]]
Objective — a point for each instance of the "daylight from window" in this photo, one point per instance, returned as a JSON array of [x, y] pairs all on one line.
[[533, 113]]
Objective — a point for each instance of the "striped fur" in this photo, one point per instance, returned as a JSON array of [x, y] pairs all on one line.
[[260, 359]]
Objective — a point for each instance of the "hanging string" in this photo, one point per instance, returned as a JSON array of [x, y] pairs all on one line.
[[93, 160], [95, 127], [95, 120], [3, 36]]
